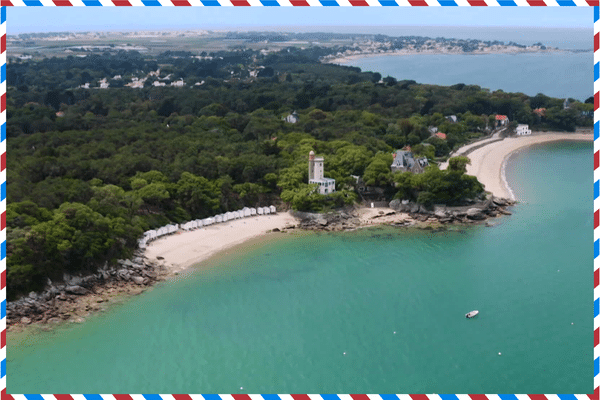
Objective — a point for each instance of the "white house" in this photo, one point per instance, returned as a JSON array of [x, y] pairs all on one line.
[[292, 118], [315, 174], [273, 209], [523, 129]]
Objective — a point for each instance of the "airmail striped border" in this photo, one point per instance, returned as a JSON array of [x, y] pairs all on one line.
[[4, 3]]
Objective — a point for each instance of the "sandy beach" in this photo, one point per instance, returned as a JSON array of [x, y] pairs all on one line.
[[487, 163], [184, 249]]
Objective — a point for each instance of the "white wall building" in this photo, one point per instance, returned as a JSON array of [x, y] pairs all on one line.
[[315, 174], [523, 129]]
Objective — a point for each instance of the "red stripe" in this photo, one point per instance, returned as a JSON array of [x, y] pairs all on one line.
[[240, 3], [359, 397], [359, 3], [63, 397], [122, 397], [596, 337], [299, 3], [596, 101], [3, 339], [3, 279], [3, 102], [419, 396], [3, 44], [121, 3], [596, 42], [181, 3], [596, 278], [5, 396], [2, 161], [241, 397], [537, 397], [593, 3], [596, 218], [595, 395], [478, 397], [537, 3], [300, 397], [62, 3], [6, 3], [182, 397], [596, 160], [418, 3], [477, 3], [3, 221]]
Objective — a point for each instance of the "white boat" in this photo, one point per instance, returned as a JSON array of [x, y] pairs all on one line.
[[471, 314]]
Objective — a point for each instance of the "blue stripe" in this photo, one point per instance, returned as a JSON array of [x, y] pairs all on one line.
[[3, 309], [596, 249], [92, 396], [567, 396], [596, 307], [329, 3], [447, 3], [3, 368], [596, 189], [146, 396], [508, 397], [3, 191], [389, 396], [269, 3], [211, 3], [388, 3], [33, 3], [565, 3], [92, 3], [151, 3], [507, 3], [596, 130], [3, 250], [3, 15], [3, 132], [271, 397], [34, 397], [3, 73], [596, 366], [212, 396], [596, 71], [596, 14], [448, 396], [333, 397]]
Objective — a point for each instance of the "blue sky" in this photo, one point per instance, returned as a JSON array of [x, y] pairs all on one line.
[[55, 19]]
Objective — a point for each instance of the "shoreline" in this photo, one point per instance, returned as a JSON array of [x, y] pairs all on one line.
[[169, 256], [345, 59], [488, 163]]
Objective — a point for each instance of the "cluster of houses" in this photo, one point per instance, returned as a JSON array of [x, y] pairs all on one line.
[[154, 234], [405, 161]]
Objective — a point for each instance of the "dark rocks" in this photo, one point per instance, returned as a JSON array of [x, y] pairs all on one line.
[[76, 290], [475, 214]]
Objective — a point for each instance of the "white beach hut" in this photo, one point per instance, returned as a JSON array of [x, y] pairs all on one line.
[[267, 210], [218, 218], [236, 214], [260, 211], [253, 211], [200, 223], [273, 209], [247, 212]]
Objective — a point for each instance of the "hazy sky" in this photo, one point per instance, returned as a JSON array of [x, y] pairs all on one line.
[[56, 19]]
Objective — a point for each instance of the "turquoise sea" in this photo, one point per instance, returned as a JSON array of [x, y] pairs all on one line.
[[372, 311]]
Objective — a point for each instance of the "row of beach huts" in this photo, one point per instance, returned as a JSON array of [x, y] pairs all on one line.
[[200, 223]]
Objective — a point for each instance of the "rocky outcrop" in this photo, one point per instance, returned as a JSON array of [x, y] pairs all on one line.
[[59, 300], [345, 219]]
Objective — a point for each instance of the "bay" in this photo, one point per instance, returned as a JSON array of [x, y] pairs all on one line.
[[371, 311]]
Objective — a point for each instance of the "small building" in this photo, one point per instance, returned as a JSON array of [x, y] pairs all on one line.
[[441, 135], [452, 118], [502, 120], [315, 174], [523, 130], [292, 118], [273, 209], [541, 112], [404, 161], [566, 104]]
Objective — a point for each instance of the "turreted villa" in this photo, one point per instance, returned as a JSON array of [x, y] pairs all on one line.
[[315, 174]]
